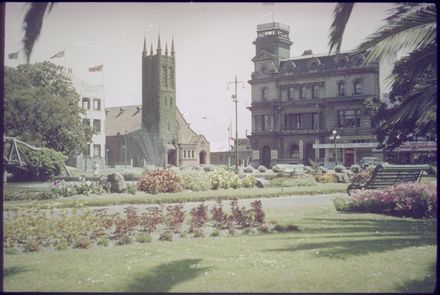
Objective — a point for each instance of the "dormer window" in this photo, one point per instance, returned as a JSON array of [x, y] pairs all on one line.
[[341, 88]]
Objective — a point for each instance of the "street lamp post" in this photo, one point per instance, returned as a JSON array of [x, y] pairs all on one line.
[[235, 99], [335, 137]]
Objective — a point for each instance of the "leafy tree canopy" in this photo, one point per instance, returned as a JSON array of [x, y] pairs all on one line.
[[42, 108]]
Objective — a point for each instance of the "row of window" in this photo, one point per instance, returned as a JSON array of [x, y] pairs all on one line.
[[96, 124], [96, 103], [345, 119], [188, 154], [314, 93]]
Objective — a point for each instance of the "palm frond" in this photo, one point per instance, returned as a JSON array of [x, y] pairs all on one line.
[[341, 14], [414, 26], [32, 24]]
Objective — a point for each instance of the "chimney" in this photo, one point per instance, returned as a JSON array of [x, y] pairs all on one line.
[[307, 52]]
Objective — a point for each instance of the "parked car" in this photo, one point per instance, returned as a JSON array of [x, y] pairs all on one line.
[[367, 161]]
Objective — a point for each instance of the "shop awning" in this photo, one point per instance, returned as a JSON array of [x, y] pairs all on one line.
[[347, 145]]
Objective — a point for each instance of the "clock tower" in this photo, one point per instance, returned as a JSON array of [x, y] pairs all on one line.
[[159, 101]]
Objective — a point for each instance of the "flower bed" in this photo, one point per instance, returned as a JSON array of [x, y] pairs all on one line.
[[32, 230], [416, 200]]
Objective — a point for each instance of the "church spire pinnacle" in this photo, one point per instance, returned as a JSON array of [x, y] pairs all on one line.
[[159, 50], [172, 46]]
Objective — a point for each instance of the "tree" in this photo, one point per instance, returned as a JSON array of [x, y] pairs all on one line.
[[411, 27], [42, 108]]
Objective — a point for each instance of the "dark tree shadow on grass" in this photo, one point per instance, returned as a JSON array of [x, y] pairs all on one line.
[[11, 271], [163, 277], [427, 284], [353, 237]]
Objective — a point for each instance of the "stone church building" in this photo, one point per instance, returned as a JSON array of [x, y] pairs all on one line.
[[154, 133]]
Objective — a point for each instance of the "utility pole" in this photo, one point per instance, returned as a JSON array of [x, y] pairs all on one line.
[[235, 99]]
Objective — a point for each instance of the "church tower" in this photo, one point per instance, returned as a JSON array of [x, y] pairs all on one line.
[[159, 101]]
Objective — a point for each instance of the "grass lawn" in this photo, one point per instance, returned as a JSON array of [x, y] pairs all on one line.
[[186, 196], [334, 252]]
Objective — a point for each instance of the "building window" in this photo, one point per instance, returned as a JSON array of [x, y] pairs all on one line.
[[357, 87], [97, 104], [184, 153], [298, 122], [192, 154], [266, 123], [314, 121], [86, 122], [290, 93], [315, 91], [349, 118], [171, 101], [302, 92], [97, 126], [86, 103], [97, 151], [87, 150], [286, 121], [294, 151], [341, 88], [265, 92]]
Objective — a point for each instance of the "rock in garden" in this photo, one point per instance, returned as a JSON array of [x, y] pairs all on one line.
[[117, 183], [261, 182]]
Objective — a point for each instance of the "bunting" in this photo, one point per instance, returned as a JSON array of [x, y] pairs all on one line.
[[59, 54], [96, 69]]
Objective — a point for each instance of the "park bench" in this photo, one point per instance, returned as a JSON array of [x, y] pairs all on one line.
[[389, 175]]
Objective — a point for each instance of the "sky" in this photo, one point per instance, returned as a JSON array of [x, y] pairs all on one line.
[[213, 44]]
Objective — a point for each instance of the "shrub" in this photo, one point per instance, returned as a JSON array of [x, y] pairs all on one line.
[[143, 238], [124, 240], [323, 169], [31, 246], [83, 243], [355, 168], [27, 195], [103, 241], [199, 233], [264, 228], [160, 181], [339, 168], [221, 178], [360, 177], [61, 245], [219, 217], [215, 233], [416, 200], [235, 181], [43, 163], [261, 168], [326, 178], [295, 180], [241, 216], [150, 219], [308, 169], [276, 169], [131, 188], [195, 180], [286, 228], [166, 235], [341, 204], [248, 169], [199, 216], [208, 168], [174, 217], [257, 212], [248, 181]]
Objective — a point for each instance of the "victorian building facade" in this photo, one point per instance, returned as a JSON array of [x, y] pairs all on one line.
[[299, 102]]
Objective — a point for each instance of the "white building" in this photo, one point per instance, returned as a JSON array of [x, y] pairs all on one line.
[[93, 102]]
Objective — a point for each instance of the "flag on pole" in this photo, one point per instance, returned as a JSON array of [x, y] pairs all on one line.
[[96, 69], [13, 55], [59, 54]]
